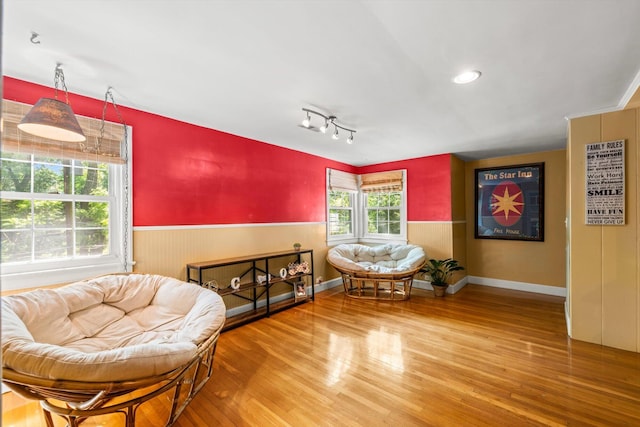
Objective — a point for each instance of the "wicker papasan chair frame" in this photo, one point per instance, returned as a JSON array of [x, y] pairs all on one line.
[[371, 279], [87, 399], [76, 400]]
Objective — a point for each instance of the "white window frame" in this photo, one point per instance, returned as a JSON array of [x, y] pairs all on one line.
[[33, 274], [379, 238], [359, 218], [344, 238]]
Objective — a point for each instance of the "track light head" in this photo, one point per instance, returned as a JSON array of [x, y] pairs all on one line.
[[307, 121], [325, 126], [335, 134], [350, 139]]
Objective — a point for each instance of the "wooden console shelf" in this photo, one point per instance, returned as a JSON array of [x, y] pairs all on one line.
[[264, 297]]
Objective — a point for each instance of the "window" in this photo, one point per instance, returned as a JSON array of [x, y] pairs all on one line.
[[53, 209], [383, 213], [342, 189], [368, 208], [384, 201], [341, 222], [64, 213]]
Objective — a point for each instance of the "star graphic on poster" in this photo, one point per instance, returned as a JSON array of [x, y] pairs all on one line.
[[506, 206]]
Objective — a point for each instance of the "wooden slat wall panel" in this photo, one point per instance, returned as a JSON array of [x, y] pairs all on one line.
[[460, 245], [604, 268], [435, 237], [168, 251], [619, 243], [586, 242]]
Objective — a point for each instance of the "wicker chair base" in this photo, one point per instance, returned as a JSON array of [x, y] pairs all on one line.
[[83, 399], [392, 287]]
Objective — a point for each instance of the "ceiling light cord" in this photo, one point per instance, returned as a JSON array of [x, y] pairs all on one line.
[[328, 120], [59, 79]]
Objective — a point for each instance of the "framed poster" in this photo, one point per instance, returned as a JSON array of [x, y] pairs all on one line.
[[509, 202], [604, 177]]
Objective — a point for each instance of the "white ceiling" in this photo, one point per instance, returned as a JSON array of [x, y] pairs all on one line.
[[382, 67]]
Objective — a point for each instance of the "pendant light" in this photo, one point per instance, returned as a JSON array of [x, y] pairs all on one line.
[[53, 119]]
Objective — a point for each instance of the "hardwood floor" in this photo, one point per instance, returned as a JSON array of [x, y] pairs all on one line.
[[482, 357]]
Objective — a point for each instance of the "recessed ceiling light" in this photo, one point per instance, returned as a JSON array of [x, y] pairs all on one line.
[[467, 77]]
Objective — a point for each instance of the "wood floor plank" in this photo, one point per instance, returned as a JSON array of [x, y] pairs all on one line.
[[482, 357]]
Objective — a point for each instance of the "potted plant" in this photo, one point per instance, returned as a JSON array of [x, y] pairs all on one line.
[[439, 271], [297, 246]]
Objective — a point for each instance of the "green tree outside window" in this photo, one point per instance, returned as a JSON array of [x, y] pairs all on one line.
[[52, 208]]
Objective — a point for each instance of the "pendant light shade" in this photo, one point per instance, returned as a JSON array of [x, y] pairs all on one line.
[[53, 119]]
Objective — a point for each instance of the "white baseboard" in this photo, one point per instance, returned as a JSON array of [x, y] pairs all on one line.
[[324, 286], [423, 284], [452, 289], [518, 286]]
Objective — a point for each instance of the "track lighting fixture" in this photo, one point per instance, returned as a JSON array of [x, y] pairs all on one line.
[[328, 120]]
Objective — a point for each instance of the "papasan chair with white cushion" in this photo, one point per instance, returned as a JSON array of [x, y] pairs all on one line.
[[110, 344], [382, 272]]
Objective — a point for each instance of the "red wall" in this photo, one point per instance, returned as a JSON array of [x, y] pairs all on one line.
[[185, 174], [428, 186]]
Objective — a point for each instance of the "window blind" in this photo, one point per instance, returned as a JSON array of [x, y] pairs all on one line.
[[342, 181], [105, 150], [381, 182]]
